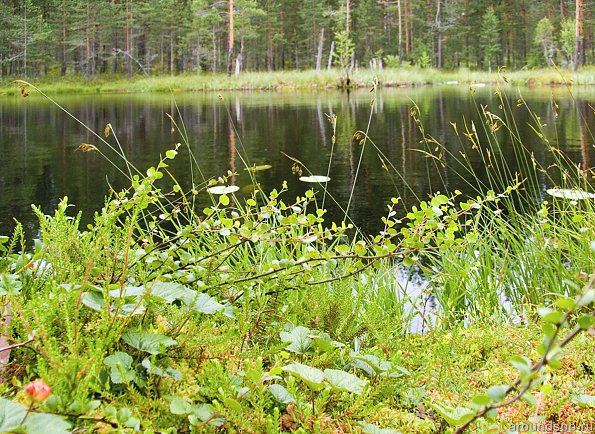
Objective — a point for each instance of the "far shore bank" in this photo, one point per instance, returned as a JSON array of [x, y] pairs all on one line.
[[303, 80]]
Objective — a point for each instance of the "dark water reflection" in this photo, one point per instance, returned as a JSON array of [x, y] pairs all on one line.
[[40, 163]]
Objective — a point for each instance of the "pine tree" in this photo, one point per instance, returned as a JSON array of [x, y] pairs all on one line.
[[490, 36]]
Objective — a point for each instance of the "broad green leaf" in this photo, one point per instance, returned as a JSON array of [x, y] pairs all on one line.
[[587, 298], [313, 377], [128, 291], [364, 366], [342, 249], [161, 371], [565, 303], [497, 393], [453, 416], [232, 404], [202, 413], [299, 340], [584, 400], [530, 399], [281, 394], [129, 309], [523, 364], [9, 284], [370, 360], [203, 303], [94, 300], [586, 321], [11, 415], [178, 405], [120, 364], [152, 343], [369, 428], [344, 381], [482, 400], [224, 199], [43, 423], [170, 291]]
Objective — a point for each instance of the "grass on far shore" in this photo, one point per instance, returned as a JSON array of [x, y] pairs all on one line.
[[310, 79]]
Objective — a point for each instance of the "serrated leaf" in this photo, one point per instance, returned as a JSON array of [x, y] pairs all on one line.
[[344, 381], [313, 377], [281, 394], [9, 284], [152, 343]]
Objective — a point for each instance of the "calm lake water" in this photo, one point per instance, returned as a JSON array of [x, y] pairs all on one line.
[[41, 163]]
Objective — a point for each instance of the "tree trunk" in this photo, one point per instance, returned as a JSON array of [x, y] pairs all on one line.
[[563, 9], [230, 37], [330, 55], [214, 65], [400, 46], [62, 52], [579, 42], [319, 52], [240, 58], [128, 42], [438, 34], [172, 37], [347, 16]]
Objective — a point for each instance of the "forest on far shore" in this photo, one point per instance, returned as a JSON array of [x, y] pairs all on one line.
[[145, 37]]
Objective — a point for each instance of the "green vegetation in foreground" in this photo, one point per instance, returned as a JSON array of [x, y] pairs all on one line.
[[260, 316], [288, 80]]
